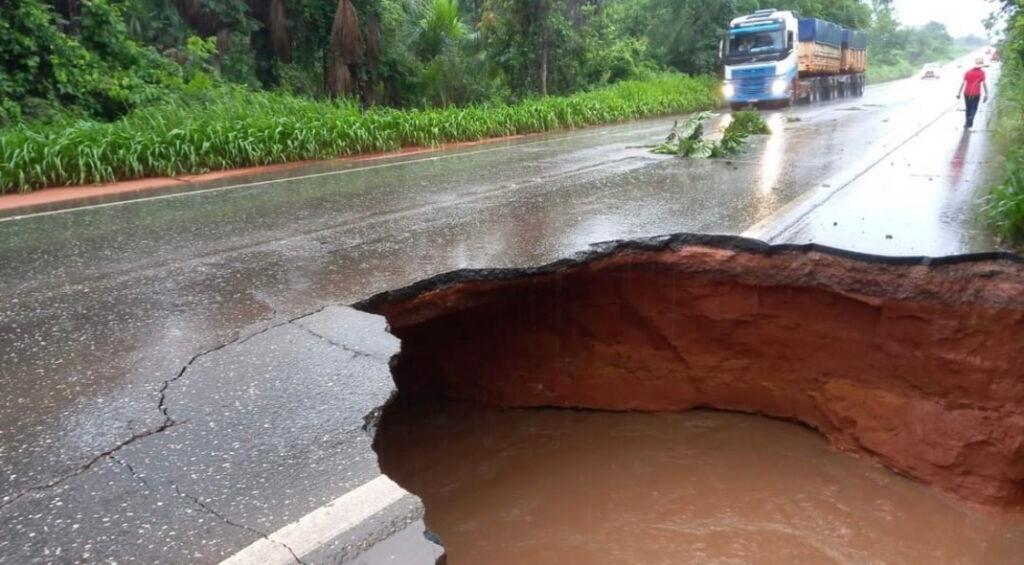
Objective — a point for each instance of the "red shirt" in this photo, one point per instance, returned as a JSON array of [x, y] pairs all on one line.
[[972, 82]]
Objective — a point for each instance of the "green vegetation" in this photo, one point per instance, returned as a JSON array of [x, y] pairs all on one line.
[[103, 58], [240, 128], [749, 122], [897, 52], [687, 140], [879, 72], [98, 90], [1006, 203]]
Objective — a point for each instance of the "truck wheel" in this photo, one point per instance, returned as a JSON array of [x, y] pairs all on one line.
[[736, 107]]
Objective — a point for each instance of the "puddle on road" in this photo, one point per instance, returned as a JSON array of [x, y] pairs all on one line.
[[563, 486]]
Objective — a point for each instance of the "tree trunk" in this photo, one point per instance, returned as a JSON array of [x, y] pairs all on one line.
[[339, 79], [346, 49], [68, 11], [372, 51], [223, 45], [277, 27], [203, 22], [372, 40], [544, 62]]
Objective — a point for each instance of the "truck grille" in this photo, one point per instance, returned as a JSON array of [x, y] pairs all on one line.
[[753, 87], [753, 72]]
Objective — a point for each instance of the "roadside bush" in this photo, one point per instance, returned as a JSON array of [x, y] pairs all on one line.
[[1006, 202], [238, 128], [101, 72], [878, 73]]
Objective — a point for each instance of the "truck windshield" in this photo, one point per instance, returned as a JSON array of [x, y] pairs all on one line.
[[758, 42]]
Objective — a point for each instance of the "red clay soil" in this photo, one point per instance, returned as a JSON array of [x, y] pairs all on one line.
[[917, 363], [62, 194]]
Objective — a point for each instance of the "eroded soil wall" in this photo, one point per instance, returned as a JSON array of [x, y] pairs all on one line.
[[918, 363]]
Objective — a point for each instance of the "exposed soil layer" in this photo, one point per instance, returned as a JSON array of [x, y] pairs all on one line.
[[917, 362]]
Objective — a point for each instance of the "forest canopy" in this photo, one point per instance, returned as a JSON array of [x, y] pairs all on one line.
[[103, 58]]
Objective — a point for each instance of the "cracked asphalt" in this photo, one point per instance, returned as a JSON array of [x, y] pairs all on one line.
[[178, 378]]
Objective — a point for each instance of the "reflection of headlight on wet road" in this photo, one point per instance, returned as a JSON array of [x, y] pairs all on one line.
[[728, 90], [780, 86], [774, 155]]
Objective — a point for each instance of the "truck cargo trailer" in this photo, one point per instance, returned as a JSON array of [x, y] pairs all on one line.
[[772, 56]]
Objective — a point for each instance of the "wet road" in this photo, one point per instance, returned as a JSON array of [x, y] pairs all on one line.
[[165, 400], [913, 196]]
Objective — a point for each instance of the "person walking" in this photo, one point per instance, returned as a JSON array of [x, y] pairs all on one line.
[[971, 88]]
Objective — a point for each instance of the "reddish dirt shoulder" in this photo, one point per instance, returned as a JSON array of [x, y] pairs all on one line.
[[69, 194]]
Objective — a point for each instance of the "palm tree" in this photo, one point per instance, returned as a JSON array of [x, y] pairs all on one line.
[[439, 36], [439, 26], [345, 49]]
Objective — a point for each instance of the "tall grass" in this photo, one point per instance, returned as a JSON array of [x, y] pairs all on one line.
[[241, 128], [1006, 203], [877, 73]]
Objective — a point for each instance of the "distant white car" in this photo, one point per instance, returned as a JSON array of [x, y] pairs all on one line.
[[930, 71]]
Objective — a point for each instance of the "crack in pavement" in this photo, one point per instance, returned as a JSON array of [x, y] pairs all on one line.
[[88, 464], [355, 352], [203, 506], [131, 471], [206, 508], [168, 423]]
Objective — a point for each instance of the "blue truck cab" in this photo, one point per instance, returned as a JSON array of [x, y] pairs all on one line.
[[760, 58]]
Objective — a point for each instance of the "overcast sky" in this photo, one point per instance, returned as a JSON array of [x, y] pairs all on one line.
[[962, 17]]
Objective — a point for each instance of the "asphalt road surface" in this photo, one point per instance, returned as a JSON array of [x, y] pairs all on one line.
[[181, 386]]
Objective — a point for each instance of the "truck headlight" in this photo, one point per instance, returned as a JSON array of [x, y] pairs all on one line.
[[780, 86], [728, 90]]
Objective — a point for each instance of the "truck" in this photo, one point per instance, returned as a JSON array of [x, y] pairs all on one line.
[[773, 57]]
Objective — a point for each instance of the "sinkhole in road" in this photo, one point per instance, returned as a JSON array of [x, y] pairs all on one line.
[[556, 486], [914, 363]]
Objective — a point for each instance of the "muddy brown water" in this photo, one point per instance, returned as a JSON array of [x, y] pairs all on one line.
[[566, 486]]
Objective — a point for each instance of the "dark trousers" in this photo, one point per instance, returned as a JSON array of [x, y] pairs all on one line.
[[972, 108]]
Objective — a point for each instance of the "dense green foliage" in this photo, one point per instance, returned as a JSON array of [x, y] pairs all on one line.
[[1006, 204], [104, 58], [95, 90], [98, 70], [238, 128]]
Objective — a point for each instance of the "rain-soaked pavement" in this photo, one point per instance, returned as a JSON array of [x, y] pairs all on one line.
[[177, 385]]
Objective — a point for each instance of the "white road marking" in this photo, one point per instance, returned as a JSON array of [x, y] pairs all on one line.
[[321, 525], [772, 227], [499, 147]]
